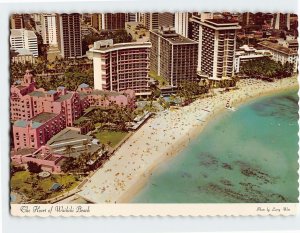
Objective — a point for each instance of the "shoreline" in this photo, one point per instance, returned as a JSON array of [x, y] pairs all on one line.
[[97, 189]]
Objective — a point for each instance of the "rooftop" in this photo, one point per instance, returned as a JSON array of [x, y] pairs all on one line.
[[25, 151], [277, 47], [51, 92], [83, 85], [221, 24], [23, 52], [108, 93], [64, 97], [109, 46], [21, 123], [43, 117], [37, 94], [174, 38], [20, 87], [69, 137], [21, 32]]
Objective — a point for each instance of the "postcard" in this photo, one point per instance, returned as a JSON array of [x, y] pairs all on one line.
[[154, 114]]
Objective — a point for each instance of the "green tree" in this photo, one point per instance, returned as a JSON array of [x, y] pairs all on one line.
[[33, 167]]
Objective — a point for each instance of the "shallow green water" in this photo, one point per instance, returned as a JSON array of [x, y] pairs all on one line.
[[245, 156]]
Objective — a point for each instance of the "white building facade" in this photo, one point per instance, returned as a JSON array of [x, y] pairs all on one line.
[[246, 54], [217, 42], [182, 23], [24, 39], [49, 29], [281, 53]]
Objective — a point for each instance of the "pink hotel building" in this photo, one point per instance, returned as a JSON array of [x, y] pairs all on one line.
[[40, 114]]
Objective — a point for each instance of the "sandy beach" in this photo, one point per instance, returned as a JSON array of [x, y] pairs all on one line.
[[163, 137]]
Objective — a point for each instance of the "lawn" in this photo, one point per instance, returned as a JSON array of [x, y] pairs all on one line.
[[37, 188], [114, 137]]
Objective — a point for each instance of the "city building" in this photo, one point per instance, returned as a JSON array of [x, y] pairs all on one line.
[[40, 114], [194, 24], [43, 157], [137, 31], [27, 101], [246, 53], [103, 98], [73, 138], [113, 21], [281, 21], [69, 35], [16, 21], [22, 56], [155, 20], [132, 17], [96, 21], [217, 42], [119, 67], [182, 23], [290, 42], [281, 53], [49, 29], [24, 39], [173, 56], [35, 132]]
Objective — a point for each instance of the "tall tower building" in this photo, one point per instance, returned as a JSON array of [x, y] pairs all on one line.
[[245, 18], [182, 23], [113, 21], [173, 56], [120, 67], [194, 24], [155, 20], [16, 21], [49, 29], [69, 35], [217, 42], [281, 21], [96, 21], [132, 17]]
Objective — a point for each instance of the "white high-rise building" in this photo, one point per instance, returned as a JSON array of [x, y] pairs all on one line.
[[217, 42], [281, 21], [24, 39], [182, 23], [49, 29]]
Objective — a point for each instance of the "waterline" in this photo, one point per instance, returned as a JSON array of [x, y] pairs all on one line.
[[246, 156]]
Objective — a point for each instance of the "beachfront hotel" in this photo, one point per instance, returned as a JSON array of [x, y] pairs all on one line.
[[281, 53], [173, 56], [69, 35], [217, 42], [119, 67], [40, 114], [194, 24], [247, 53], [24, 39]]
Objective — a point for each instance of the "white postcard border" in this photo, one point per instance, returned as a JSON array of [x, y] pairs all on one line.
[[67, 210]]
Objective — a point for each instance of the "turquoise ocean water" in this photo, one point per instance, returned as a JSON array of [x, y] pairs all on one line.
[[245, 156]]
